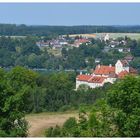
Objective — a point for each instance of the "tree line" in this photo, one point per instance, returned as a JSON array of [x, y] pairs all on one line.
[[24, 30]]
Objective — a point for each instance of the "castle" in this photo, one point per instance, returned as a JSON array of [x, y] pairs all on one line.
[[105, 74]]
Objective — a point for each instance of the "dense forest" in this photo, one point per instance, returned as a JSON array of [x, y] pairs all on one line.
[[24, 30]]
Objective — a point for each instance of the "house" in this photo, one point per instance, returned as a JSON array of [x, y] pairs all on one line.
[[90, 80], [105, 74], [114, 43], [78, 42], [123, 42], [102, 70], [97, 60], [121, 65], [63, 42], [120, 49]]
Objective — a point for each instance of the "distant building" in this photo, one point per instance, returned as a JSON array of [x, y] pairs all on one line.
[[105, 74], [63, 42], [106, 37], [120, 49], [113, 44], [97, 60], [78, 42], [121, 65]]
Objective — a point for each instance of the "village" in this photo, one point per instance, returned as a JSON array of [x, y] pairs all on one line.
[[75, 41], [102, 73]]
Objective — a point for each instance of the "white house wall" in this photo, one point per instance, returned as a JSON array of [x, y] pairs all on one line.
[[91, 85], [110, 80], [118, 67], [126, 68], [78, 83]]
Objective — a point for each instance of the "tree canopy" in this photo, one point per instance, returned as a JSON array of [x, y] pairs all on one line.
[[115, 115], [15, 88]]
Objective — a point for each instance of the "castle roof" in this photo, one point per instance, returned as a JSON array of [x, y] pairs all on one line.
[[124, 63], [83, 77], [133, 71], [96, 79], [122, 74], [106, 70], [90, 78]]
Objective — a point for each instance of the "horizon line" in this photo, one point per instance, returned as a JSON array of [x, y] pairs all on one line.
[[19, 24]]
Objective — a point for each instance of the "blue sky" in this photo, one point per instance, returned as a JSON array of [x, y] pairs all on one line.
[[70, 13]]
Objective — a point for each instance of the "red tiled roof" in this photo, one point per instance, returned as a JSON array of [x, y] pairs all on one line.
[[90, 78], [122, 74], [97, 79], [104, 70], [81, 41], [83, 77], [133, 71]]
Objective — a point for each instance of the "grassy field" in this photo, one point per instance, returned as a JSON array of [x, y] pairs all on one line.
[[116, 35], [112, 35], [39, 122]]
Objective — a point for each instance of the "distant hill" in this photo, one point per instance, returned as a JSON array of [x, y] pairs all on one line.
[[23, 30]]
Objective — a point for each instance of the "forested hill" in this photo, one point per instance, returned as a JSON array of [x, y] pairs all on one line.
[[22, 30]]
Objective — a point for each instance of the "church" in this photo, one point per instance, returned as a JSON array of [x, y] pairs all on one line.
[[105, 74]]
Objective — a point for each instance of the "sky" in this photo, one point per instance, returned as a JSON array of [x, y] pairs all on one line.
[[70, 13]]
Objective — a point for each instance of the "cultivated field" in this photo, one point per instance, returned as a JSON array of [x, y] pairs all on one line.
[[39, 122]]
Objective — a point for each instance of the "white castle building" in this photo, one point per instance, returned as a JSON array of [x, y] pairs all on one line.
[[105, 74]]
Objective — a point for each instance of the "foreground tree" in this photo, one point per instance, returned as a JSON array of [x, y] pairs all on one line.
[[125, 97], [15, 88]]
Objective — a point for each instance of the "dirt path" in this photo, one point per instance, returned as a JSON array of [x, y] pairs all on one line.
[[39, 122]]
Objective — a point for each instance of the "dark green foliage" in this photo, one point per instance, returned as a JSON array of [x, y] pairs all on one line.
[[12, 29], [54, 132], [135, 48], [125, 96], [71, 122], [59, 94], [117, 115], [136, 63], [15, 89]]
